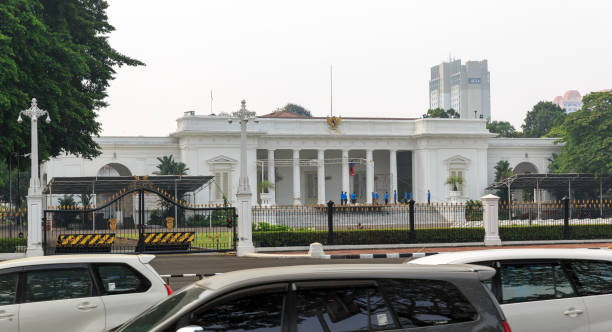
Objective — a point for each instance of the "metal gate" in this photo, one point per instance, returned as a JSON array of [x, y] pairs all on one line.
[[139, 220]]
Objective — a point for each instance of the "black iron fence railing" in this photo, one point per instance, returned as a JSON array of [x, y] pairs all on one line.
[[555, 220], [13, 230], [282, 226]]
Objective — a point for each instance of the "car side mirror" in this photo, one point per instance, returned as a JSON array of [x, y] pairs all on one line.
[[190, 328]]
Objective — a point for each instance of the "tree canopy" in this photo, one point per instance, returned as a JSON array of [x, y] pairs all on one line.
[[168, 166], [542, 118], [503, 128], [441, 113], [587, 135], [58, 53], [294, 108]]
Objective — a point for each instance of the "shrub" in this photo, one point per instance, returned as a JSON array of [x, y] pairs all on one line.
[[10, 244], [267, 227], [473, 210], [367, 236], [554, 232]]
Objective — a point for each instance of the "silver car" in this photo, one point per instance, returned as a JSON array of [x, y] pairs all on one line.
[[312, 298]]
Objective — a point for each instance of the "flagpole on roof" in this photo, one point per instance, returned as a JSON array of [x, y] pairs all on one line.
[[331, 91], [211, 100]]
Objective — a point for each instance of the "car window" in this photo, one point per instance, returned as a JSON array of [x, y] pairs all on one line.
[[534, 282], [594, 277], [120, 278], [164, 310], [49, 285], [258, 312], [419, 302], [8, 288], [342, 309]]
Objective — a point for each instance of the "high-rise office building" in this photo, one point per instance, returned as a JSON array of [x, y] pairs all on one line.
[[464, 88]]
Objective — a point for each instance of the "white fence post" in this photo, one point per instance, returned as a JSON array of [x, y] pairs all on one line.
[[490, 219]]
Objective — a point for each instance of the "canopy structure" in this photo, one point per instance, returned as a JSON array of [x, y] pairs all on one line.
[[112, 184], [567, 182]]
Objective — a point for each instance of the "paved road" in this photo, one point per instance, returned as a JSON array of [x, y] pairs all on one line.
[[218, 263]]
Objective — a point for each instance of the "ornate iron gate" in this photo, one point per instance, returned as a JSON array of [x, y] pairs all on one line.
[[139, 219]]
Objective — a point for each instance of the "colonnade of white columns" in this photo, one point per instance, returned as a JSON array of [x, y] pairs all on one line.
[[321, 199]]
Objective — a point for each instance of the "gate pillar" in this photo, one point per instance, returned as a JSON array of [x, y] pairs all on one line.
[[34, 224], [245, 230]]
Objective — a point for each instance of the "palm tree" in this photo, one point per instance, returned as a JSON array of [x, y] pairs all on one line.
[[502, 170], [454, 181], [168, 166]]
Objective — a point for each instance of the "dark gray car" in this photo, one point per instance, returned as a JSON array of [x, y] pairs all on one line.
[[343, 297]]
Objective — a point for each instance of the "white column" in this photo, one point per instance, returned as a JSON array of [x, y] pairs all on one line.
[[34, 200], [297, 196], [369, 175], [345, 173], [271, 177], [321, 177], [393, 172], [491, 220]]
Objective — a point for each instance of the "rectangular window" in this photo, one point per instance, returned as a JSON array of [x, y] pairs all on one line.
[[120, 279], [534, 282], [594, 277], [51, 285], [459, 173], [8, 288], [419, 302], [260, 312], [222, 185], [342, 308]]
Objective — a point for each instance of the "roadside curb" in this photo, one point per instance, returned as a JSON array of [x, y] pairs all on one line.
[[372, 256], [348, 256]]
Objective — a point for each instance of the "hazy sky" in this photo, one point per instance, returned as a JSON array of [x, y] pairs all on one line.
[[274, 52]]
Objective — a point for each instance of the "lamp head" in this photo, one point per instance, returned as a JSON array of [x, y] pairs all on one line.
[[48, 119], [19, 119]]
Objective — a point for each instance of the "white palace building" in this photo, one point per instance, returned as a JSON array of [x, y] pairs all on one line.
[[311, 160]]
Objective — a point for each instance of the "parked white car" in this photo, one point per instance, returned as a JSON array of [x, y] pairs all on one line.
[[76, 292], [546, 289]]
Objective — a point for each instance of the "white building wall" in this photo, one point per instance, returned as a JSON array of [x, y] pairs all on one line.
[[204, 141]]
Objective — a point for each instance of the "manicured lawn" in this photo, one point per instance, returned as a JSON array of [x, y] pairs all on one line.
[[202, 239]]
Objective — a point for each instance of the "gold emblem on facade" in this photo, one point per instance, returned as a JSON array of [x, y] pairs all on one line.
[[333, 122]]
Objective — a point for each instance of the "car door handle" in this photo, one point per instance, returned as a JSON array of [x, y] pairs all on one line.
[[86, 306], [6, 315], [572, 312]]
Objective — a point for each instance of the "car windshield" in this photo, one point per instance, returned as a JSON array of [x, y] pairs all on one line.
[[163, 310]]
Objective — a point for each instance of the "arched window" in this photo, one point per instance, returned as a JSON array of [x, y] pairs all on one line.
[[114, 169]]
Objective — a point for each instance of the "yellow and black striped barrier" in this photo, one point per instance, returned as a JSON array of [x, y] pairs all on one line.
[[168, 240], [73, 243]]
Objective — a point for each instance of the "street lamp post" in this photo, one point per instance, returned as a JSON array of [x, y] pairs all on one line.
[[34, 197], [244, 195]]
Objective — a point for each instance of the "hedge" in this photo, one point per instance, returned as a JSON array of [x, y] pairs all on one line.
[[367, 236], [428, 235], [10, 244], [554, 232]]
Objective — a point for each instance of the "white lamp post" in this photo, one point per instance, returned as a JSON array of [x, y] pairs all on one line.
[[244, 195], [34, 197]]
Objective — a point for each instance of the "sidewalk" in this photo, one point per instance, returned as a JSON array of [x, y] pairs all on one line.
[[447, 249]]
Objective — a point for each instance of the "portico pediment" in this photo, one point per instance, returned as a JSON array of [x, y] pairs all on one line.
[[221, 161], [457, 161]]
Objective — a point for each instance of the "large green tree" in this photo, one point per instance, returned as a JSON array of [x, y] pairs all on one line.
[[57, 52], [587, 135], [542, 118], [294, 108], [441, 113], [503, 128]]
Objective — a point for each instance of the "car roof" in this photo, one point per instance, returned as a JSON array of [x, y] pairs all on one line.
[[244, 278], [63, 259], [470, 256]]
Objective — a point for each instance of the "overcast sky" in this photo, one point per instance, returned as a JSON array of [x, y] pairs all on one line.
[[274, 52]]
